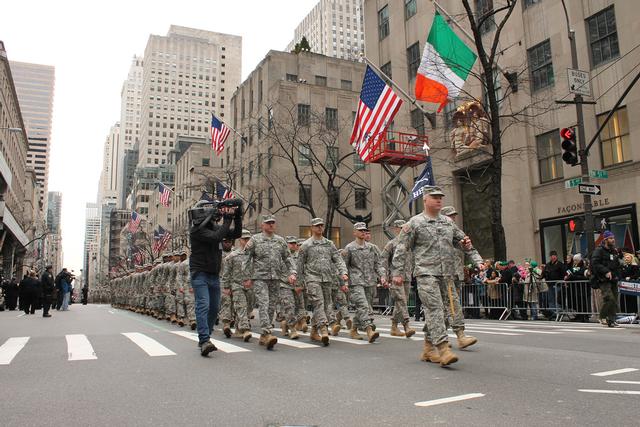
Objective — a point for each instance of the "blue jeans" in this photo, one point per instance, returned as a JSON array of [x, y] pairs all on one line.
[[206, 290], [65, 301]]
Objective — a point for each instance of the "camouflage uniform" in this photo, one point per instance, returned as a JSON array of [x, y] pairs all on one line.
[[170, 305], [432, 241], [400, 294], [291, 294], [232, 276], [227, 302], [364, 266], [318, 261], [268, 258], [186, 301]]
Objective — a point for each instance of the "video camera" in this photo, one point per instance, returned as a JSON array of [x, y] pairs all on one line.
[[205, 211]]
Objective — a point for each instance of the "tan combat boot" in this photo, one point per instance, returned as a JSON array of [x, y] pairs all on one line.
[[339, 317], [395, 332], [181, 322], [226, 329], [335, 329], [314, 334], [173, 319], [429, 353], [237, 333], [246, 335], [285, 328], [270, 341], [447, 357], [193, 326], [324, 335], [465, 341], [371, 334], [408, 331], [303, 325], [353, 333], [293, 333], [349, 323]]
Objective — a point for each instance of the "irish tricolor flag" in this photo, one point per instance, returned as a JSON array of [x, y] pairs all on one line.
[[445, 65]]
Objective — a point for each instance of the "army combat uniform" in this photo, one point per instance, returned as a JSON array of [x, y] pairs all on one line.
[[227, 303], [232, 276]]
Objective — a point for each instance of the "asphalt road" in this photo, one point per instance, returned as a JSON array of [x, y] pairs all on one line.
[[79, 368]]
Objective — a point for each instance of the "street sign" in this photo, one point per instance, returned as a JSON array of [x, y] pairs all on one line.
[[592, 189], [579, 82], [598, 173], [572, 183]]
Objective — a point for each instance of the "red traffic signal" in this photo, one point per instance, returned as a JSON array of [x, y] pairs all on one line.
[[576, 225], [569, 146]]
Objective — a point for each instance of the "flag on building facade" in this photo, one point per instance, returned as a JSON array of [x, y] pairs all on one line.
[[445, 65], [425, 179], [156, 241], [134, 223], [206, 197], [138, 257], [222, 192], [377, 107], [164, 238], [165, 192], [219, 134]]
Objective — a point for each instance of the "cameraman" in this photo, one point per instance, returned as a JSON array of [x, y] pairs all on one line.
[[204, 263], [606, 263]]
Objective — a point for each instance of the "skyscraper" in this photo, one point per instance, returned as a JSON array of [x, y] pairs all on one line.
[[53, 253], [111, 172], [91, 231], [34, 85], [333, 28]]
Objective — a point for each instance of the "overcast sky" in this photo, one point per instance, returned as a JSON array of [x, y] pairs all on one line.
[[91, 44]]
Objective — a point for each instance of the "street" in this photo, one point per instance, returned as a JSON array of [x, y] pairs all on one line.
[[96, 365]]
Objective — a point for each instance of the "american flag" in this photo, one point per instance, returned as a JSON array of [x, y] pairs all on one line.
[[219, 134], [206, 196], [165, 192], [377, 107], [222, 192], [156, 241], [138, 257], [165, 236], [135, 222]]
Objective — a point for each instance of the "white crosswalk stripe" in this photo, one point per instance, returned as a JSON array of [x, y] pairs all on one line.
[[79, 347], [221, 345], [11, 348], [332, 338], [290, 343], [149, 345]]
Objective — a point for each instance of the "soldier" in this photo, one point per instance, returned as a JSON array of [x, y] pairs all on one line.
[[400, 294], [301, 298], [288, 294], [226, 301], [317, 263], [187, 301], [232, 276], [158, 281], [457, 322], [170, 304], [432, 237], [267, 259], [363, 265]]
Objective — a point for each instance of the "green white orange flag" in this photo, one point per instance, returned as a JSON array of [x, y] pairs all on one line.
[[445, 65]]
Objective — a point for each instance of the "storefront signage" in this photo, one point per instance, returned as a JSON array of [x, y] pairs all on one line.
[[577, 207], [629, 288]]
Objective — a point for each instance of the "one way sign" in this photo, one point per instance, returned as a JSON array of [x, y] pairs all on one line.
[[592, 189]]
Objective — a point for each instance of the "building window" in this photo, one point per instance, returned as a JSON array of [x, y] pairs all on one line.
[[386, 69], [241, 177], [304, 155], [417, 121], [345, 84], [333, 156], [413, 60], [528, 3], [383, 22], [361, 198], [497, 90], [484, 10], [259, 164], [260, 202], [331, 118], [270, 198], [614, 139], [250, 171], [269, 157], [304, 195], [541, 66], [205, 162], [321, 80], [304, 114], [357, 162], [292, 77], [410, 8], [603, 36], [549, 156]]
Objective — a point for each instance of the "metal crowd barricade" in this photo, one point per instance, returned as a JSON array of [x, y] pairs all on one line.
[[575, 300], [491, 300]]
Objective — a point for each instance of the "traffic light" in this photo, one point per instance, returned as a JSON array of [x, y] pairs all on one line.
[[576, 225], [569, 146]]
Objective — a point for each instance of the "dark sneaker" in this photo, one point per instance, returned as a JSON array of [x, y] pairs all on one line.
[[207, 348], [46, 315]]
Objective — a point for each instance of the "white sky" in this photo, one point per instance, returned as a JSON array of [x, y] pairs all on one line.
[[91, 45]]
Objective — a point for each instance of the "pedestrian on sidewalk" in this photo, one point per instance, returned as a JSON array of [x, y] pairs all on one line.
[[65, 285], [30, 292], [48, 286], [606, 264]]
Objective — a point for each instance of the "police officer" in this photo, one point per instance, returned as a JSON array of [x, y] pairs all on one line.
[[268, 258], [47, 290], [606, 265], [432, 238], [364, 267]]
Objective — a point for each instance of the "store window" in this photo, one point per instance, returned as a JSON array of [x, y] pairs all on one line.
[[614, 139]]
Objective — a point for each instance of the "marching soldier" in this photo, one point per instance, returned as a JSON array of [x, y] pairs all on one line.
[[226, 313], [267, 259], [232, 276], [400, 294], [171, 305], [289, 293], [364, 267], [317, 263], [432, 237]]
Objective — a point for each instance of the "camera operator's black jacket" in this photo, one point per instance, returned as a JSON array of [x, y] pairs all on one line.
[[206, 248], [47, 283], [605, 260]]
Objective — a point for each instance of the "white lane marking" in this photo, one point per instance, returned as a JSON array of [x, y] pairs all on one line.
[[516, 324], [111, 312], [530, 331], [11, 348], [332, 338], [617, 371], [222, 346], [79, 347], [575, 330], [414, 338], [623, 382], [448, 399], [476, 331], [21, 314], [610, 391], [149, 345], [290, 343]]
